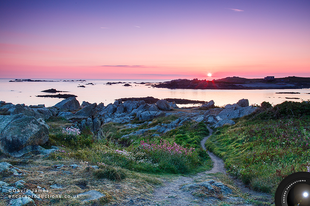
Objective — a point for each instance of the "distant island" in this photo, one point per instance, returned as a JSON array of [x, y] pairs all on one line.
[[152, 100], [65, 96], [51, 91], [44, 80], [269, 82]]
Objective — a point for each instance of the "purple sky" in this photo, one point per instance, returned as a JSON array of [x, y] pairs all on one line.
[[154, 39]]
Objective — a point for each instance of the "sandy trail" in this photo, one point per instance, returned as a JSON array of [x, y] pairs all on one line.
[[218, 163]]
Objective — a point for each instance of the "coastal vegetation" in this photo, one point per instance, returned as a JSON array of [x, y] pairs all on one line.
[[177, 151], [263, 148], [259, 144]]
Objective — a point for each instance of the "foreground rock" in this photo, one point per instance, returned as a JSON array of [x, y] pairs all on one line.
[[88, 110], [22, 201], [163, 105], [7, 169], [90, 196], [208, 105], [93, 115], [211, 188], [225, 116], [243, 103], [148, 115], [20, 131], [69, 104], [37, 111]]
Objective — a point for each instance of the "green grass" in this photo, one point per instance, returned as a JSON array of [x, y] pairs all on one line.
[[189, 134], [264, 148], [111, 149], [110, 173]]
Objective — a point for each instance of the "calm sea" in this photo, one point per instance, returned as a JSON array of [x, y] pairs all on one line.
[[25, 92]]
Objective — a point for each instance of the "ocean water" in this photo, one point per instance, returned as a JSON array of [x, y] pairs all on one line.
[[26, 92]]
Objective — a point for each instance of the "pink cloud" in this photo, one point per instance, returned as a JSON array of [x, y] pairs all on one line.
[[237, 10]]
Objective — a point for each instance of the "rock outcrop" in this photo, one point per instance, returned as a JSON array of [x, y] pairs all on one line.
[[209, 105], [243, 103], [90, 196], [163, 105], [87, 111], [211, 186], [20, 131], [69, 104], [230, 111], [148, 115], [22, 201], [37, 111], [22, 128]]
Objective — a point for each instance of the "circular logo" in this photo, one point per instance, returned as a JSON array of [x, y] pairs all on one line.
[[294, 190]]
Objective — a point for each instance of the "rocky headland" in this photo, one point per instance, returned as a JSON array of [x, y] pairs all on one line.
[[238, 83], [26, 161]]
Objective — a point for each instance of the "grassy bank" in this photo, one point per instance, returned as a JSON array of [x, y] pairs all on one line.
[[263, 148], [177, 151]]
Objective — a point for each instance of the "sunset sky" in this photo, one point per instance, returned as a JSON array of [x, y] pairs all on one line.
[[154, 39]]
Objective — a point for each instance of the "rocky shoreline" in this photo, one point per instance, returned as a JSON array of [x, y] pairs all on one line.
[[94, 115], [23, 132]]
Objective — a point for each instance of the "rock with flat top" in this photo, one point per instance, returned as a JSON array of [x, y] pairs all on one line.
[[90, 196], [22, 201]]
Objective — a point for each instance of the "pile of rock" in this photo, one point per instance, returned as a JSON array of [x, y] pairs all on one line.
[[37, 111], [93, 115], [224, 116], [23, 129]]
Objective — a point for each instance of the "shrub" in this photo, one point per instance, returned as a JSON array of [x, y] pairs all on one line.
[[71, 131], [170, 157], [110, 173], [265, 105], [285, 110]]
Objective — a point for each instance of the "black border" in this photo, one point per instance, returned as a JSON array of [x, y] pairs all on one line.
[[286, 185]]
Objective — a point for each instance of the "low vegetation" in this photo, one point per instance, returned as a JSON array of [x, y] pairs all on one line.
[[110, 173], [174, 152], [265, 147]]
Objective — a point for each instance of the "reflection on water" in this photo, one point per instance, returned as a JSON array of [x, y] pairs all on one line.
[[25, 92]]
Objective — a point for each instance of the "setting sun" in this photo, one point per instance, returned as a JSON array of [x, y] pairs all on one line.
[[209, 75]]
